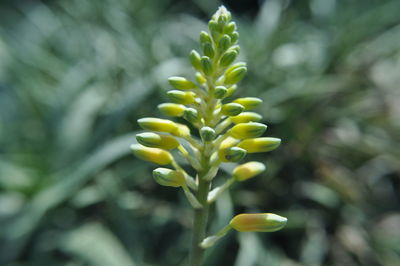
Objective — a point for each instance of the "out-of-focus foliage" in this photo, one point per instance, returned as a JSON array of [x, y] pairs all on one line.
[[75, 75]]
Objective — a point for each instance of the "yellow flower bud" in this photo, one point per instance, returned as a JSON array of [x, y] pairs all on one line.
[[223, 148], [249, 103], [195, 60], [247, 130], [181, 83], [246, 117], [258, 222], [154, 155], [248, 170], [233, 154], [200, 78], [155, 140], [168, 177], [157, 124], [231, 109], [181, 131], [182, 97], [172, 109], [260, 144], [235, 75], [231, 91]]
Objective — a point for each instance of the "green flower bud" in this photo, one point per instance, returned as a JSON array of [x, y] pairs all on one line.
[[153, 155], [214, 29], [230, 28], [235, 76], [234, 66], [157, 124], [181, 83], [168, 177], [231, 109], [249, 103], [234, 37], [191, 115], [155, 140], [260, 144], [248, 170], [246, 117], [208, 50], [195, 60], [200, 78], [258, 222], [235, 48], [220, 92], [231, 91], [172, 109], [182, 97], [235, 154], [228, 58], [207, 134], [206, 65], [224, 42], [205, 37], [247, 130]]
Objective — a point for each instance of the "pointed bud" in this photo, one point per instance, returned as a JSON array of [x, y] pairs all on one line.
[[258, 222], [195, 60], [231, 91], [234, 66], [231, 109], [248, 170], [200, 78], [191, 115], [247, 130], [181, 131], [172, 109], [230, 28], [234, 154], [155, 140], [228, 58], [234, 37], [224, 43], [153, 155], [246, 117], [208, 50], [205, 37], [207, 134], [260, 144], [157, 124], [181, 83], [182, 97], [224, 147], [206, 65], [214, 29], [249, 103], [168, 177], [235, 76], [220, 92]]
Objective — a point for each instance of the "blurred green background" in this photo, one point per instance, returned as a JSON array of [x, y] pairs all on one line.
[[76, 75]]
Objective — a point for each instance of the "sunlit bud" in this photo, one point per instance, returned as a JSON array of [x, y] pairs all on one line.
[[181, 131], [249, 103], [235, 75], [214, 29], [191, 115], [208, 50], [157, 124], [205, 37], [258, 222], [223, 148], [247, 130], [195, 60], [207, 134], [171, 109], [260, 144], [231, 27], [224, 42], [181, 83], [246, 117], [228, 58], [231, 91], [231, 109], [200, 78], [234, 154], [235, 48], [153, 155], [168, 177], [234, 66], [234, 36], [182, 97], [220, 92], [248, 170], [154, 140], [206, 65]]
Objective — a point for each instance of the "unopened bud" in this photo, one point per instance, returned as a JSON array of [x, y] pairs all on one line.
[[246, 117], [231, 27], [168, 177], [154, 155], [235, 76], [155, 140], [234, 154], [224, 43], [157, 124], [195, 60], [234, 66], [248, 130], [206, 65], [172, 109], [205, 37], [228, 58], [258, 222], [231, 109], [260, 144], [220, 92], [208, 50], [249, 103], [181, 83], [214, 29], [234, 36], [181, 131], [248, 170], [182, 97], [191, 115], [231, 91], [207, 134], [200, 78]]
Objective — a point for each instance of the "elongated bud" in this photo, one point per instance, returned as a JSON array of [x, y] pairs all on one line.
[[247, 130], [231, 109], [220, 92], [155, 140], [195, 60], [207, 134], [157, 124], [206, 65], [205, 37], [230, 28], [181, 83], [191, 115], [181, 131], [182, 97], [228, 58], [231, 91], [248, 170], [258, 222], [246, 117], [153, 155], [172, 109], [260, 144], [224, 148], [200, 78], [236, 75], [234, 37], [224, 43], [234, 154], [214, 29], [249, 103], [208, 50], [234, 66], [168, 177]]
